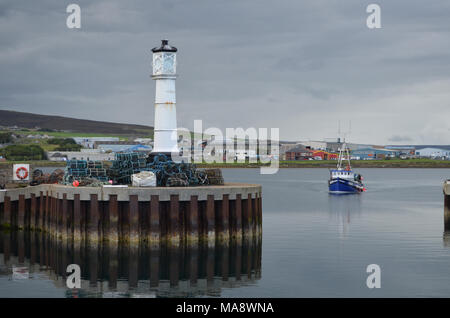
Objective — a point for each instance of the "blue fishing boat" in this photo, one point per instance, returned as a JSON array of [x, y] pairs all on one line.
[[342, 179]]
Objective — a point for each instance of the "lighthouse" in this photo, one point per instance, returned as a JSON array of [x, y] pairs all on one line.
[[164, 74]]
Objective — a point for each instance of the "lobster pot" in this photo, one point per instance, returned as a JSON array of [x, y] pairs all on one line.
[[214, 176]]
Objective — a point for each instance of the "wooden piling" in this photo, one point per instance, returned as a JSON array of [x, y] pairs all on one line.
[[113, 220], [237, 217], [223, 226], [210, 218], [154, 224], [65, 217], [192, 220], [47, 213], [93, 219], [41, 211], [21, 212], [254, 215], [133, 217], [7, 212], [52, 215], [260, 212], [177, 218], [33, 212], [446, 212], [246, 212], [174, 220], [76, 218]]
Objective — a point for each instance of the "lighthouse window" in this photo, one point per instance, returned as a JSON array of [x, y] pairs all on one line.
[[169, 63]]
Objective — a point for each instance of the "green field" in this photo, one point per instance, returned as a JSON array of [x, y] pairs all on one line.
[[35, 163], [64, 134], [391, 163]]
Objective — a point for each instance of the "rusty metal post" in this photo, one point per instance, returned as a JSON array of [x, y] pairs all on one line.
[[260, 213], [21, 212], [64, 216], [52, 215], [76, 218], [93, 219], [246, 216], [154, 224], [113, 222], [237, 218], [192, 220], [41, 211], [210, 218], [446, 212], [47, 212], [224, 219], [174, 220], [7, 212], [133, 217], [33, 212]]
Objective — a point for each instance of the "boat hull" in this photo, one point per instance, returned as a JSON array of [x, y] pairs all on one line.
[[342, 186]]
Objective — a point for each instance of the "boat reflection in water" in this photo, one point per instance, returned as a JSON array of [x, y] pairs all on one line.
[[342, 209], [142, 271]]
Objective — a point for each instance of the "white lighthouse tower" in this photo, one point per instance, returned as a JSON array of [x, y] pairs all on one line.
[[164, 73]]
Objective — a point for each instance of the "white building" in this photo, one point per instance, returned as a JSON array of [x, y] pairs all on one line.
[[83, 154], [144, 141], [88, 142], [318, 145], [433, 152]]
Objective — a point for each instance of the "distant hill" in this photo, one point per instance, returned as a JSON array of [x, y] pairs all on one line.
[[28, 120]]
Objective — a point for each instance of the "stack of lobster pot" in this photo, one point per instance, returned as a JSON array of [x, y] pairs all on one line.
[[214, 176]]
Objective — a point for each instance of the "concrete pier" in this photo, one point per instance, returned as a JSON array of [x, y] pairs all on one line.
[[132, 214]]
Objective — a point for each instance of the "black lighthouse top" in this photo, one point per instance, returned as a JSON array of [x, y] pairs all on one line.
[[165, 47]]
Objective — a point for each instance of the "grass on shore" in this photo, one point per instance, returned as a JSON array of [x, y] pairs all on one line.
[[34, 163], [64, 134], [392, 163]]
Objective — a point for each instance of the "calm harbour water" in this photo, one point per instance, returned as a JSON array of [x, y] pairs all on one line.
[[314, 245]]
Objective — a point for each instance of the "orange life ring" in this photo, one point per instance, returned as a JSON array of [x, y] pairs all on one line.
[[20, 175]]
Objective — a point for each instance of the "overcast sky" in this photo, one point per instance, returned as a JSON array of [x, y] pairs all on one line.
[[300, 66]]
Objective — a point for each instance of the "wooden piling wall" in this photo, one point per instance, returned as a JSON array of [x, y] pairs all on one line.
[[136, 214]]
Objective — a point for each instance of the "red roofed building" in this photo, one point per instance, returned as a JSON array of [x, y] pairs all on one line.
[[299, 153], [325, 155]]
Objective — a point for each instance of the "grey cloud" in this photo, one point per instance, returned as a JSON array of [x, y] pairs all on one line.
[[398, 138], [241, 62]]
